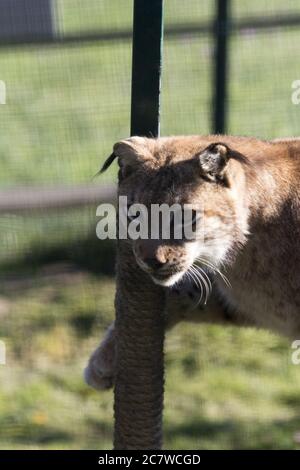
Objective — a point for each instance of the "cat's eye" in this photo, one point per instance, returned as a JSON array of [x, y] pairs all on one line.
[[133, 216], [191, 218], [195, 216]]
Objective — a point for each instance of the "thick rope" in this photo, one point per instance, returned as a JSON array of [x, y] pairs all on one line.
[[139, 356]]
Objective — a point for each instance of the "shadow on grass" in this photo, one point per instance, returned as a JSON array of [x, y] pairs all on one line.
[[56, 286], [99, 428], [230, 434], [35, 434], [89, 254]]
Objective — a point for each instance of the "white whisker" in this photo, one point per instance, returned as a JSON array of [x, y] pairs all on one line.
[[215, 269], [205, 274], [199, 274], [206, 281], [198, 283]]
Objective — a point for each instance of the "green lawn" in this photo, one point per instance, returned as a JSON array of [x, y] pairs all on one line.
[[225, 388], [65, 108]]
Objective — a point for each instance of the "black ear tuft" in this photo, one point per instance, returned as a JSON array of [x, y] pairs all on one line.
[[108, 162], [129, 153]]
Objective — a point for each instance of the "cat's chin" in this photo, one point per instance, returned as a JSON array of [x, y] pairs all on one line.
[[168, 281]]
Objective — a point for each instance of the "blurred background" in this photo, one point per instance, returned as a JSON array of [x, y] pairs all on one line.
[[66, 66]]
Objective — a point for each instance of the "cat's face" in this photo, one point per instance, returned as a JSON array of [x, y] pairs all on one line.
[[188, 174]]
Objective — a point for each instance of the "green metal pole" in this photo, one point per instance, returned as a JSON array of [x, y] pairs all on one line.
[[221, 32], [146, 67]]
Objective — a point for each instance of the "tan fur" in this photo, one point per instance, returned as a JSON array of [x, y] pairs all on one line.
[[252, 225]]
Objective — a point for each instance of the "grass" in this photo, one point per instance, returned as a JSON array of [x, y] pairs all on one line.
[[225, 388], [66, 106]]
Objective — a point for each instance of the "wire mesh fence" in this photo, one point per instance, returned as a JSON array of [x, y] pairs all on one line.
[[67, 88]]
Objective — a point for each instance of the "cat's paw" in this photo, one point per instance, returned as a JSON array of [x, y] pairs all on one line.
[[97, 376], [99, 372]]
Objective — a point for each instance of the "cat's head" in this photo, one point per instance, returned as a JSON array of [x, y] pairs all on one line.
[[203, 177]]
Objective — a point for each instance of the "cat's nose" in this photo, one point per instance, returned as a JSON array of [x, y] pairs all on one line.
[[152, 255], [154, 262]]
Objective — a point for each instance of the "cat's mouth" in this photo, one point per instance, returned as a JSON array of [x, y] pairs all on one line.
[[167, 280], [167, 276]]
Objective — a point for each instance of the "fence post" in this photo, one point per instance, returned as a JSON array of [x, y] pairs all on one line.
[[221, 33], [139, 303]]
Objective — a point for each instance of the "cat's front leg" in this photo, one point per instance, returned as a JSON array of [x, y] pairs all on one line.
[[99, 372], [181, 306]]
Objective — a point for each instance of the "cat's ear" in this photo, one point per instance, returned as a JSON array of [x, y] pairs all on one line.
[[214, 159], [130, 153]]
